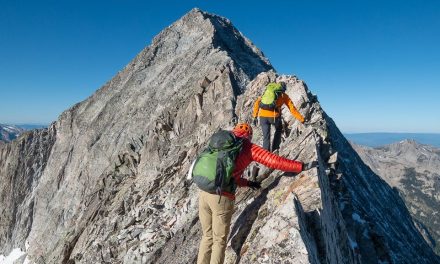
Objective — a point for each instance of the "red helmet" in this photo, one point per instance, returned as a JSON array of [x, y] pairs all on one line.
[[243, 130]]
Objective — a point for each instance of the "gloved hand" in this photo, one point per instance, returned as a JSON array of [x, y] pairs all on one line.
[[255, 170], [255, 121], [309, 165], [254, 185]]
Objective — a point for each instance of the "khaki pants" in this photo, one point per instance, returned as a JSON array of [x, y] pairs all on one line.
[[215, 218]]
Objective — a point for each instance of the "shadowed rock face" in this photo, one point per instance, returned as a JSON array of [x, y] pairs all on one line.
[[413, 169], [113, 189]]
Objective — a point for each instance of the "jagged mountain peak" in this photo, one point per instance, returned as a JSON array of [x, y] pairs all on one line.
[[198, 29], [413, 145], [404, 143], [198, 40], [219, 28]]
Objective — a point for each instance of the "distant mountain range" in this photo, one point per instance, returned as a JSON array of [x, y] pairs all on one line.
[[31, 126], [11, 132], [413, 169], [381, 139]]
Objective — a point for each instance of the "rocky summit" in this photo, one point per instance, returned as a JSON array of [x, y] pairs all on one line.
[[106, 182]]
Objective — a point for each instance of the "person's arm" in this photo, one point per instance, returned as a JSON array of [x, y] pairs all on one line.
[[292, 108], [256, 108], [273, 161]]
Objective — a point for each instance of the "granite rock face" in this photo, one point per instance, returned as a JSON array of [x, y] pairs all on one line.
[[413, 169], [22, 163], [113, 187]]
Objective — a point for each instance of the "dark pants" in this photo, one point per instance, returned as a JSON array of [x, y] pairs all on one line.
[[265, 123]]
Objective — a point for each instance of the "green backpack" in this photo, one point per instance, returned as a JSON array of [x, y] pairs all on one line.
[[270, 96], [213, 168]]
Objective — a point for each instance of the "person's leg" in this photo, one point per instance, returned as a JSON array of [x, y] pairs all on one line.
[[277, 135], [205, 216], [221, 222], [265, 127]]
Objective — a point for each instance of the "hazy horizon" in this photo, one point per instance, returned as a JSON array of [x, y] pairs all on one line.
[[379, 139]]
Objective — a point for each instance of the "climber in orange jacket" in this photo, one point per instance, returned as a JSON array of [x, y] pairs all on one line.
[[215, 213], [272, 115]]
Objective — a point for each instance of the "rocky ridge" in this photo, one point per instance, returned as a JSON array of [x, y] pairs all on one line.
[[112, 188]]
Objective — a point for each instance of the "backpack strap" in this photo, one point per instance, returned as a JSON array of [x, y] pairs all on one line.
[[219, 174]]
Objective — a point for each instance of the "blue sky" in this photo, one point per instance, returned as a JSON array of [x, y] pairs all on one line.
[[375, 65]]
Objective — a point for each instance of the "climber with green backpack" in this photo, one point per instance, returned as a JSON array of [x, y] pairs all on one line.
[[217, 172], [268, 109]]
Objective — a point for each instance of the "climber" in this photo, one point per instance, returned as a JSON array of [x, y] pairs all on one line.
[[268, 108], [217, 182]]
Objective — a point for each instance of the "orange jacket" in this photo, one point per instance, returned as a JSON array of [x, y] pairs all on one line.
[[281, 100]]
